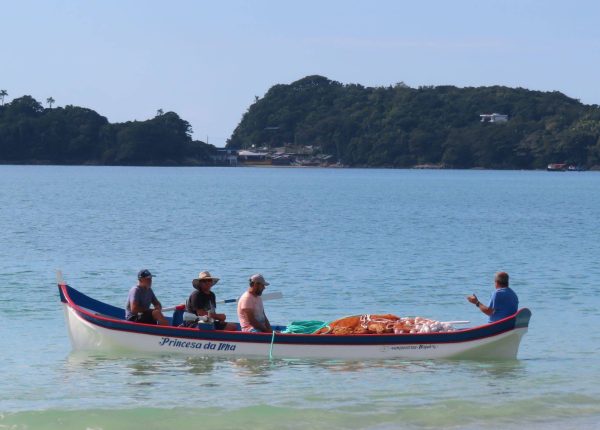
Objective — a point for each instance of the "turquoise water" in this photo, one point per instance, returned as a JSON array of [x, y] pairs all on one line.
[[335, 242]]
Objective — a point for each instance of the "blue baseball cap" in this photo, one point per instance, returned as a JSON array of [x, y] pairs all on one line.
[[144, 273]]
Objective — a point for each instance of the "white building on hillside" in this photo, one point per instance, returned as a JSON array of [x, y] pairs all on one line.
[[493, 117]]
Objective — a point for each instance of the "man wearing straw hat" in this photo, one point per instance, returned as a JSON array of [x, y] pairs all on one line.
[[203, 302]]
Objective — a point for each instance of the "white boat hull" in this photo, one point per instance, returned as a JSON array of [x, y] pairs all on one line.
[[85, 335]]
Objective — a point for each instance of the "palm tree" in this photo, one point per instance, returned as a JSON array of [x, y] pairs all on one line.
[[3, 94], [50, 100], [160, 112]]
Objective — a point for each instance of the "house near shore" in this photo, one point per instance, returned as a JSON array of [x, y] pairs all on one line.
[[493, 117], [288, 155], [225, 157], [254, 158]]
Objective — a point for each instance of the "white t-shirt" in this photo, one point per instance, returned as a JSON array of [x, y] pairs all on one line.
[[255, 304]]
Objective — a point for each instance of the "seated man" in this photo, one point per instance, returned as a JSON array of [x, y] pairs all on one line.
[[203, 302], [139, 300], [504, 301], [250, 307]]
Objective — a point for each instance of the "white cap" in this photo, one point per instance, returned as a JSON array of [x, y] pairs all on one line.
[[258, 278]]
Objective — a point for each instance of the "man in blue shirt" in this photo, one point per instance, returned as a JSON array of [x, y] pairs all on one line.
[[504, 301], [139, 300]]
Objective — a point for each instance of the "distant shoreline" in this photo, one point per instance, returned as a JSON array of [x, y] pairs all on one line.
[[38, 163]]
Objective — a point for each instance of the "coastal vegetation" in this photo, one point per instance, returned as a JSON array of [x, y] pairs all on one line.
[[353, 125], [399, 126], [30, 133]]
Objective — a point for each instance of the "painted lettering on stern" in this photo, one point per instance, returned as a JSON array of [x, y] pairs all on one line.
[[427, 346], [412, 347], [178, 343]]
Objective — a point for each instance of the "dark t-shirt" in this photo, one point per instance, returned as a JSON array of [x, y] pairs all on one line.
[[200, 301], [144, 297]]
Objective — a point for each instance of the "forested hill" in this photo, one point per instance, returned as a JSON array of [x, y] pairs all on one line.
[[30, 133], [401, 126]]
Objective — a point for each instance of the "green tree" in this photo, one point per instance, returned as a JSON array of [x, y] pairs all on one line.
[[3, 94], [50, 102]]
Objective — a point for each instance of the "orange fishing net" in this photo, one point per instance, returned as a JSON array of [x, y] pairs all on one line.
[[387, 323], [361, 324]]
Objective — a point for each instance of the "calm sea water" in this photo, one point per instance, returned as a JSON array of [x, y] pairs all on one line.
[[335, 242]]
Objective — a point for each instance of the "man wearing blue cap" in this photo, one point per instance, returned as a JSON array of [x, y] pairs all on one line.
[[139, 300]]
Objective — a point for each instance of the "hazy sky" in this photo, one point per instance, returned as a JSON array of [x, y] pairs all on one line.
[[206, 60]]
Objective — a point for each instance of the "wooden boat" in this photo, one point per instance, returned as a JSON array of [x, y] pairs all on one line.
[[97, 326]]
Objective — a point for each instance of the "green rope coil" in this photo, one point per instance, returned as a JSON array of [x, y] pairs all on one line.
[[304, 327]]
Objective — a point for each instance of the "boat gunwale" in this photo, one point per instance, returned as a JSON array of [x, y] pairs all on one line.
[[470, 334]]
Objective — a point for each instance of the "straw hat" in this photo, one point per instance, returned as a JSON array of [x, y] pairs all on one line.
[[203, 276]]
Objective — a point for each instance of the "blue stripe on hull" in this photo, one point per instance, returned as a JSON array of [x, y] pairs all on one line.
[[116, 321]]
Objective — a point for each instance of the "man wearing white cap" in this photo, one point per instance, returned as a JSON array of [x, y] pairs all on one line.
[[203, 301], [250, 307]]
